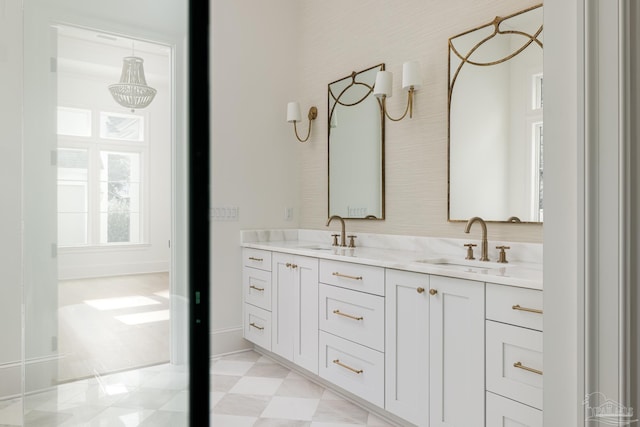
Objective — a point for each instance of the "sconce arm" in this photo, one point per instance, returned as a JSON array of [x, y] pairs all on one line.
[[408, 109], [313, 113]]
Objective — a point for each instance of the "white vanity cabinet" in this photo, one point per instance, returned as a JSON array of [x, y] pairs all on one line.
[[456, 347], [407, 341], [514, 356], [435, 349], [294, 333], [425, 348], [352, 328], [256, 289]]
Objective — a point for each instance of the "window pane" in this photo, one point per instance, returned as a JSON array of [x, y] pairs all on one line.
[[74, 121], [121, 127], [120, 197], [73, 197]]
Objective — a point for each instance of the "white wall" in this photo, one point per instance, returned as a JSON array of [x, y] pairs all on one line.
[[337, 37], [254, 153]]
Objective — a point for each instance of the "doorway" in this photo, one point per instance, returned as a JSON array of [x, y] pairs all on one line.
[[113, 205]]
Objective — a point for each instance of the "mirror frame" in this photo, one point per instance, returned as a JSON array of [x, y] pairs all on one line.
[[330, 109], [450, 82]]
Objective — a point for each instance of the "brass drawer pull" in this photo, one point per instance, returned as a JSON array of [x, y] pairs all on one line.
[[347, 276], [355, 371], [526, 368], [433, 291], [347, 315], [256, 326], [256, 288], [530, 310], [420, 290], [289, 265], [256, 259]]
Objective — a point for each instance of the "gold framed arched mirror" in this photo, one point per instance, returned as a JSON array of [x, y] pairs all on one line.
[[495, 120]]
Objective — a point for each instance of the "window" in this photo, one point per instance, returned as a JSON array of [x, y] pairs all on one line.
[[100, 178]]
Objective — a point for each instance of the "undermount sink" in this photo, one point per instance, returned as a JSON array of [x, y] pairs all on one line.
[[318, 247], [464, 263]]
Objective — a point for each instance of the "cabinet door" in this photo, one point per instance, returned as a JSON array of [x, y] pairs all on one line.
[[282, 308], [456, 339], [507, 412], [305, 303], [407, 346]]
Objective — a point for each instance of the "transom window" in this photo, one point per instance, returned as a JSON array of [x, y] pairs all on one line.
[[100, 178]]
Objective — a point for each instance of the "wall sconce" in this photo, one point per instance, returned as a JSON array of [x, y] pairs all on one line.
[[411, 82], [294, 116]]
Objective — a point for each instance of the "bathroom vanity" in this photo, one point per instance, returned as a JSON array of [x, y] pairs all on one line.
[[402, 325]]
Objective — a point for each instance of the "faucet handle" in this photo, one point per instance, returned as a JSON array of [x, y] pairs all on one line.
[[352, 243], [470, 247], [502, 256], [335, 239]]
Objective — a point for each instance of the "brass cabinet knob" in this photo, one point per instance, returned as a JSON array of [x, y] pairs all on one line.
[[433, 291], [420, 290]]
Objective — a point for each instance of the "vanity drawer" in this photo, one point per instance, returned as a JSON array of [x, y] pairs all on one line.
[[359, 277], [507, 412], [256, 258], [257, 326], [514, 363], [353, 367], [517, 306], [353, 315], [256, 287]]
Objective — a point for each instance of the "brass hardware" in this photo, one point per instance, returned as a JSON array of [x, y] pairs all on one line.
[[530, 310], [350, 92], [420, 290], [288, 265], [343, 237], [433, 291], [339, 313], [256, 288], [502, 256], [256, 326], [356, 371], [408, 109], [513, 219], [347, 276], [526, 368], [294, 265], [256, 259], [313, 114], [485, 243], [335, 239], [352, 243], [470, 247]]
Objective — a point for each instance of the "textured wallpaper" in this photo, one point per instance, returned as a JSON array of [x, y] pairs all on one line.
[[338, 37]]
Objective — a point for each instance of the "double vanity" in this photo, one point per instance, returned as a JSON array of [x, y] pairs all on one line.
[[405, 326]]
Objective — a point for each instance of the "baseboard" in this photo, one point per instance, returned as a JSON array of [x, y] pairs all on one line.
[[106, 270], [10, 380], [226, 341]]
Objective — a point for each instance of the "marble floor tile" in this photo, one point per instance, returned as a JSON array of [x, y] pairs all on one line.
[[340, 411], [291, 408], [247, 390], [256, 385]]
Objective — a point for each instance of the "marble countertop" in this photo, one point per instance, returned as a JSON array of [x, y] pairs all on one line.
[[431, 257]]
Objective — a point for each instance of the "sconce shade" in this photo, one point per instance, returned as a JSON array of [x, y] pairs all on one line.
[[411, 75], [383, 85], [132, 90], [293, 112]]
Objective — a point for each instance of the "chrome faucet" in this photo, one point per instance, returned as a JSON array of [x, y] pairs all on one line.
[[343, 235], [485, 244]]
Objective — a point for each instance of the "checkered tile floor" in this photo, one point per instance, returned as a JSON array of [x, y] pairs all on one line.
[[247, 389], [252, 390]]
